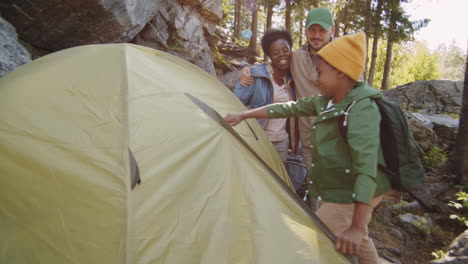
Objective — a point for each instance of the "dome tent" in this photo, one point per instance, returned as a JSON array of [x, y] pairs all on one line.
[[208, 193]]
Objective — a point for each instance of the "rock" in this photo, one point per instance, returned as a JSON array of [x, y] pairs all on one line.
[[415, 225], [432, 97], [422, 131], [445, 127], [223, 33], [211, 10], [422, 119], [457, 252], [59, 24], [190, 2], [388, 260], [12, 53], [230, 79], [411, 207], [178, 30], [209, 28], [398, 234]]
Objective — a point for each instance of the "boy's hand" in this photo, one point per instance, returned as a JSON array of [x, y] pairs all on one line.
[[349, 241], [245, 76], [234, 119]]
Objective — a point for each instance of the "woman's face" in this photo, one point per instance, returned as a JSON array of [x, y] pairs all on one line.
[[280, 54]]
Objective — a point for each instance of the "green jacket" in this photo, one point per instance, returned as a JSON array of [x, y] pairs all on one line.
[[343, 170]]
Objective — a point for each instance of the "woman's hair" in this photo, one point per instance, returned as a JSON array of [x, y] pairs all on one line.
[[272, 35]]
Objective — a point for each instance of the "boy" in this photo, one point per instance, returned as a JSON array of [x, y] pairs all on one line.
[[344, 172]]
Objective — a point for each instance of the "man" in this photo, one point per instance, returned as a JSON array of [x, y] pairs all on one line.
[[319, 32]]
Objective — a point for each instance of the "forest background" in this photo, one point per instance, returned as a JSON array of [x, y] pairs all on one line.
[[394, 56]]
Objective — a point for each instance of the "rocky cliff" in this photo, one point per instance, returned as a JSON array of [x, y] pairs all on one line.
[[176, 26]]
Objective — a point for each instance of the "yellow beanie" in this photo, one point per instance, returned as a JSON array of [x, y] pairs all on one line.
[[347, 54]]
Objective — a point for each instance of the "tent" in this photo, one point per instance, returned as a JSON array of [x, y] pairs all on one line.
[[80, 126]]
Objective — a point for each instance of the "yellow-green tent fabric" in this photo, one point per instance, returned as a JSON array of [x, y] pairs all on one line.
[[67, 122]]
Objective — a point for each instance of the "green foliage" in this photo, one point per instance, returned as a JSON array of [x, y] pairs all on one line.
[[423, 65], [452, 115], [422, 225], [461, 205], [411, 62], [438, 254], [452, 61], [434, 157], [228, 13], [219, 62]]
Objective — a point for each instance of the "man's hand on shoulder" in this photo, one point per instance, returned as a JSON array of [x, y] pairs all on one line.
[[245, 76]]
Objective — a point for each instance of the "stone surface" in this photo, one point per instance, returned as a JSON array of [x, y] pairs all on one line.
[[179, 30], [415, 224], [422, 131], [190, 2], [230, 79], [457, 252], [12, 53], [211, 10], [59, 24], [445, 127], [432, 97]]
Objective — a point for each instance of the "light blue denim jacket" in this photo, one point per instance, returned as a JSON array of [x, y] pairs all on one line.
[[260, 93]]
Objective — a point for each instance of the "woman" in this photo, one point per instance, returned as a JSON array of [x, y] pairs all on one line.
[[273, 84]]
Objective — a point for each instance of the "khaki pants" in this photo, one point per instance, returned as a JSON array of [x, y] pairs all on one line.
[[338, 217]]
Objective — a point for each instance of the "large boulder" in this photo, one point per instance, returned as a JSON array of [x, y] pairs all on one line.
[[432, 97], [445, 127], [422, 130], [179, 30], [59, 24], [12, 53], [457, 252], [230, 79], [212, 10]]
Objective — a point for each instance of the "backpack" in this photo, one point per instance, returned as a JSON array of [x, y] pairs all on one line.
[[401, 153]]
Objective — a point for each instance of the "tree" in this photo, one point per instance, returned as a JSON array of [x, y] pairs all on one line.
[[253, 41], [393, 16], [287, 16], [462, 141], [376, 33], [270, 4], [367, 30], [237, 18], [400, 28], [452, 61]]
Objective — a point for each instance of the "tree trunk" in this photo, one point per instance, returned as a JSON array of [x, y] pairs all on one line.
[[337, 28], [253, 41], [375, 44], [287, 16], [237, 19], [301, 25], [462, 140], [388, 57], [376, 36], [367, 31], [269, 14], [388, 62]]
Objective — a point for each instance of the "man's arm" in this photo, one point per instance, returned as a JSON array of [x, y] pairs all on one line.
[[245, 76]]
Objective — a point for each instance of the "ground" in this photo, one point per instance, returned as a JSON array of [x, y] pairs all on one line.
[[415, 248]]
